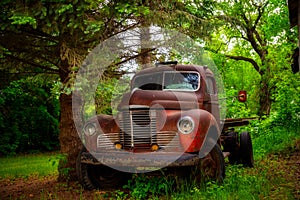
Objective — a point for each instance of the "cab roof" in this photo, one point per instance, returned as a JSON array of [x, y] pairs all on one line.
[[175, 67]]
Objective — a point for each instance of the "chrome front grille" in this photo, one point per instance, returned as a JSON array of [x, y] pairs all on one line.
[[138, 131], [138, 128], [107, 141]]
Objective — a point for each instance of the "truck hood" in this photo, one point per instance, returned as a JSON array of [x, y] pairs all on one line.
[[166, 99]]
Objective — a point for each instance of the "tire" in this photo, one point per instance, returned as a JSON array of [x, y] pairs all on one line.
[[98, 176], [232, 146], [234, 157], [246, 150], [212, 166]]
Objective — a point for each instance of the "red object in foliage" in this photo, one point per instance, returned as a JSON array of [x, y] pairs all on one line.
[[242, 96]]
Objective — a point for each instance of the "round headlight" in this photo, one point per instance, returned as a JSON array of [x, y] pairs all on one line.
[[186, 125], [90, 129]]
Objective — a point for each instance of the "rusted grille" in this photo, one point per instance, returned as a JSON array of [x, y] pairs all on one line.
[[138, 128]]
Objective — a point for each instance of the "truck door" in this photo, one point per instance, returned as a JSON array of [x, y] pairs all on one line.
[[211, 97]]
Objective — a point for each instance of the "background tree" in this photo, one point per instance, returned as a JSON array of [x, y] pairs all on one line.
[[256, 32]]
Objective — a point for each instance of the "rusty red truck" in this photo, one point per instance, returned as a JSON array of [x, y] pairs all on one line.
[[170, 120]]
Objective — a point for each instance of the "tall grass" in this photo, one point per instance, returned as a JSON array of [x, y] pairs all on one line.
[[261, 182], [269, 138]]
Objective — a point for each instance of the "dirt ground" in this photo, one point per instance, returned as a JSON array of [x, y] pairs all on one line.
[[46, 188], [294, 163], [49, 188]]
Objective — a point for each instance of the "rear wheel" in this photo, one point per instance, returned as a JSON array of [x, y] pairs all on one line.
[[212, 166], [246, 150], [232, 145], [94, 176]]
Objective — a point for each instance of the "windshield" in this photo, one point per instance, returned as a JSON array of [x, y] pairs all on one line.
[[183, 81]]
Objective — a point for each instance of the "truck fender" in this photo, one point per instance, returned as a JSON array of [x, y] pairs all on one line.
[[205, 135]]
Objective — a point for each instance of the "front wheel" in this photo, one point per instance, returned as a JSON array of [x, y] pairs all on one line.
[[94, 176], [212, 166]]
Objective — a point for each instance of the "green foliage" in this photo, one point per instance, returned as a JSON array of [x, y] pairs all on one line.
[[238, 76], [142, 186], [286, 106], [255, 34], [271, 137], [273, 140], [236, 109], [278, 131], [22, 20], [29, 117], [64, 172], [109, 93], [120, 195]]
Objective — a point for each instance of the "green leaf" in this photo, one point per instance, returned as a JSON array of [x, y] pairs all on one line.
[[23, 20]]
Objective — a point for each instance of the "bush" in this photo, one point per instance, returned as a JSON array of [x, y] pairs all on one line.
[[28, 117], [286, 108]]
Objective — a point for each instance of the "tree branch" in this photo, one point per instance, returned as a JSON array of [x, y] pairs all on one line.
[[250, 60], [231, 20], [261, 10], [27, 61], [133, 57]]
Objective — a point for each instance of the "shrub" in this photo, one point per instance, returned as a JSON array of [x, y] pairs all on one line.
[[28, 117]]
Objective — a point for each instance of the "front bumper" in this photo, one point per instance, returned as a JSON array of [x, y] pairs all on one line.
[[137, 160]]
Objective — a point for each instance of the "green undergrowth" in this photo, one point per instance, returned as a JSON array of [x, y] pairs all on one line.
[[271, 178], [23, 166], [269, 138], [275, 141], [265, 181]]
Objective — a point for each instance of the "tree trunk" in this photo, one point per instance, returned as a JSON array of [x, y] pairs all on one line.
[[69, 138], [145, 38], [265, 100], [70, 143]]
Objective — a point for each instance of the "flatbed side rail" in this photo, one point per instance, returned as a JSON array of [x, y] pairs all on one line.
[[233, 122]]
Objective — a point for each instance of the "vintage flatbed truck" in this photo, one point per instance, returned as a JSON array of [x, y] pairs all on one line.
[[170, 120]]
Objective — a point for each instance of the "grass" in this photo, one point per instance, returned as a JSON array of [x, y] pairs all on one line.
[[274, 141], [22, 166], [265, 181], [271, 178]]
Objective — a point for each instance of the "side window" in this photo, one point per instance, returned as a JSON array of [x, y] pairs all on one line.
[[210, 85]]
